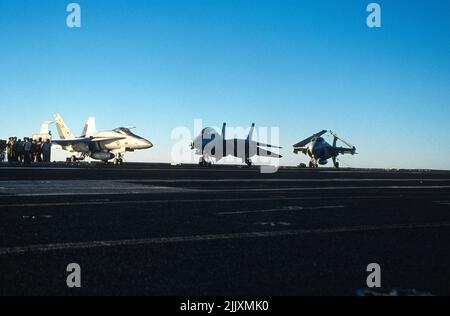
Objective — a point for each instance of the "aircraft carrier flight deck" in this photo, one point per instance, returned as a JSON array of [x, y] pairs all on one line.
[[156, 229]]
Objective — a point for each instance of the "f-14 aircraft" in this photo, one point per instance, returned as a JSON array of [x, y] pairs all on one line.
[[211, 144], [102, 146], [320, 151]]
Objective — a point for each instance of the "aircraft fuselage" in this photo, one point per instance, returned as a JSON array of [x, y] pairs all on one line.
[[320, 151]]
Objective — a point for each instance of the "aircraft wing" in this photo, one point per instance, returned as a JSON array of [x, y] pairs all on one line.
[[341, 139], [266, 153], [105, 139], [300, 149], [343, 150], [66, 142], [309, 139]]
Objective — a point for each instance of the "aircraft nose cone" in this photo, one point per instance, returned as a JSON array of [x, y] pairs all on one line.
[[145, 144]]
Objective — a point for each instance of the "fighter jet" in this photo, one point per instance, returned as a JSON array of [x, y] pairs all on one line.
[[102, 146], [320, 151], [211, 144]]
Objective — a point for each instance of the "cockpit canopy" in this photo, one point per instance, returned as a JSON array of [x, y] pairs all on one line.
[[209, 133], [126, 131], [320, 140]]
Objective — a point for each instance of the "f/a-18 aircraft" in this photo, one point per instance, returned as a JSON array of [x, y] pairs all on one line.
[[320, 151], [211, 144], [102, 146]]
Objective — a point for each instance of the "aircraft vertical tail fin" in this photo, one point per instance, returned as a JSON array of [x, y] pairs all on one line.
[[63, 130], [250, 134], [89, 127], [224, 141], [45, 127], [224, 126]]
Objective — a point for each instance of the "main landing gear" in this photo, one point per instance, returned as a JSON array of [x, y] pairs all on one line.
[[74, 159], [335, 163], [312, 164], [118, 160], [204, 162]]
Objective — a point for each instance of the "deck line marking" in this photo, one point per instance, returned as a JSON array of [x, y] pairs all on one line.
[[442, 202], [285, 209], [237, 180], [165, 240], [187, 190], [288, 180], [313, 198]]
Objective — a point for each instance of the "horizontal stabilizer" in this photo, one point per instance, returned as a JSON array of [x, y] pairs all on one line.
[[266, 153], [268, 146]]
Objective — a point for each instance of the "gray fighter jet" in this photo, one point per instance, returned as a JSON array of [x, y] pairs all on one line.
[[320, 151], [102, 146], [211, 144]]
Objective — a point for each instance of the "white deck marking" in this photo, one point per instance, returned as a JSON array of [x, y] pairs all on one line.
[[80, 187], [309, 198], [67, 188], [46, 168], [114, 187], [285, 209], [393, 187], [442, 202], [289, 180], [273, 224], [212, 237]]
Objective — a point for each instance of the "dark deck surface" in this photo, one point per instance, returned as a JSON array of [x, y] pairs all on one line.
[[162, 230]]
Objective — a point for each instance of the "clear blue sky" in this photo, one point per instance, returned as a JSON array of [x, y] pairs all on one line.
[[300, 65]]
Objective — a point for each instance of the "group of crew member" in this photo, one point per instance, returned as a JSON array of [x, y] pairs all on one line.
[[28, 150], [2, 150]]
